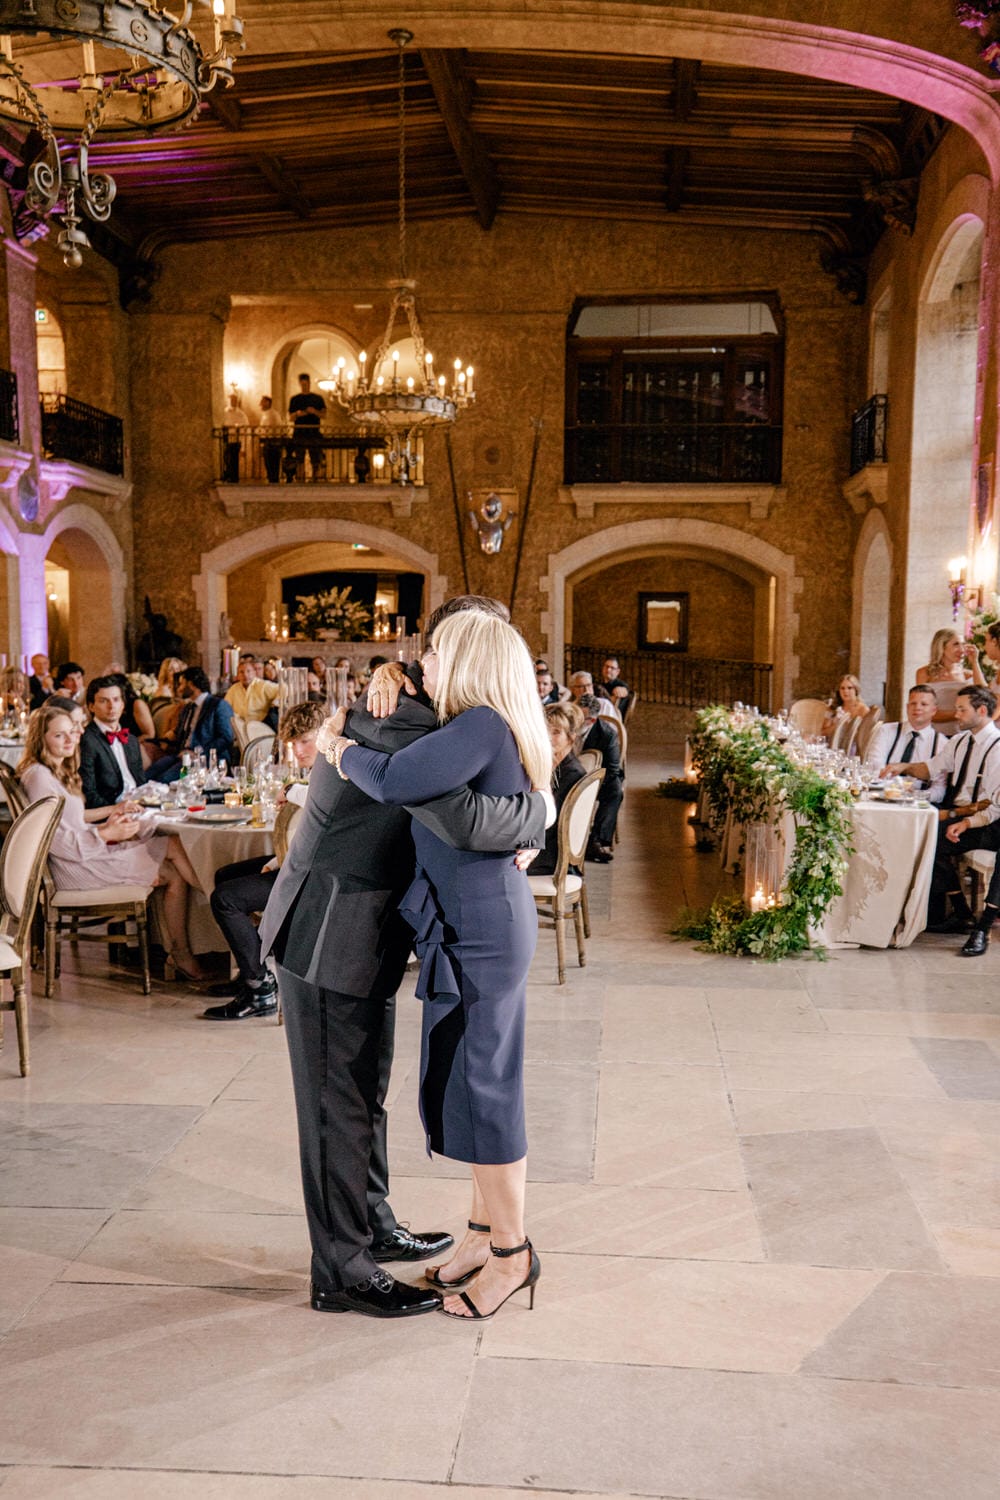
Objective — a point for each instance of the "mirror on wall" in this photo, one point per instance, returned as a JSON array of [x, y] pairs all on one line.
[[663, 621]]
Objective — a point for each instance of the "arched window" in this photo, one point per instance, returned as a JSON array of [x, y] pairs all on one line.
[[673, 393]]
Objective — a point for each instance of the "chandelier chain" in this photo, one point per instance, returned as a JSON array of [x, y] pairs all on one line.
[[402, 161]]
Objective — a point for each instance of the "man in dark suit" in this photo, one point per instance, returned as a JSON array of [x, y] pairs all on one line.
[[599, 734], [110, 758], [341, 947], [206, 723], [40, 681]]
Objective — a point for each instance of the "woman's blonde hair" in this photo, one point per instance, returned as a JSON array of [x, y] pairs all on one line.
[[837, 701], [566, 716], [36, 752], [938, 643], [165, 678], [484, 662]]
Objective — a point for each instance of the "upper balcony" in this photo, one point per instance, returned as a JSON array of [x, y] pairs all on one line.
[[869, 479], [268, 464], [82, 434]]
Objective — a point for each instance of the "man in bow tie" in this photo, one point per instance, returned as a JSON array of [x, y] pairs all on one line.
[[110, 758]]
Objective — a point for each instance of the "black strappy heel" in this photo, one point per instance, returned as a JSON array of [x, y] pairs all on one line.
[[433, 1279], [530, 1281]]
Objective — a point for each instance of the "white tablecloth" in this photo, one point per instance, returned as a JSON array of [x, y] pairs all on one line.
[[884, 904], [209, 849]]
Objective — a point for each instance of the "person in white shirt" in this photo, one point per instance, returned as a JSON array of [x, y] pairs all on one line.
[[232, 421], [581, 684], [971, 762], [913, 739], [272, 444]]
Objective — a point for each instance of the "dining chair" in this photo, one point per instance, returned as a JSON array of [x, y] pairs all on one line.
[[22, 866], [591, 760], [13, 791], [807, 714], [284, 829], [259, 751], [95, 908], [630, 710], [240, 735], [622, 733], [563, 892], [866, 727]]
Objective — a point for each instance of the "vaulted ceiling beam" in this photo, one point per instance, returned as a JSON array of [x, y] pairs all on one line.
[[284, 184], [451, 92], [685, 93]]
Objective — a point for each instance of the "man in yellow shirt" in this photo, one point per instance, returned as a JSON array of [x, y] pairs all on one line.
[[251, 696]]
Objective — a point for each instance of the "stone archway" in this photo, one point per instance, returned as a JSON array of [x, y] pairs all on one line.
[[85, 544], [210, 584], [871, 589], [706, 538]]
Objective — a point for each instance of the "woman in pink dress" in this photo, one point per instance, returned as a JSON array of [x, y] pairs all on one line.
[[119, 850]]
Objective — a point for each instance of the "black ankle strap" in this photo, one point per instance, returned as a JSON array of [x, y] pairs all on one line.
[[514, 1250], [479, 1228]]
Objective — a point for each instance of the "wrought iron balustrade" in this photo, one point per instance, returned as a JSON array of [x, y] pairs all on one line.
[[699, 453], [10, 430], [869, 427], [323, 455], [679, 681], [82, 434]]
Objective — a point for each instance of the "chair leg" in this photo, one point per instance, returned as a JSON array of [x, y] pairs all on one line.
[[581, 950], [560, 921], [21, 1017], [585, 906], [51, 938], [143, 936]]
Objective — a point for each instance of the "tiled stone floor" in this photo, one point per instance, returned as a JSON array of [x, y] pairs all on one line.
[[767, 1202]]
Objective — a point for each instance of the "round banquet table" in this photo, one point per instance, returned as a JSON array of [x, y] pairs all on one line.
[[209, 848]]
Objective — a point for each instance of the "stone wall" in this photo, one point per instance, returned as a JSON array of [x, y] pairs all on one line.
[[720, 607]]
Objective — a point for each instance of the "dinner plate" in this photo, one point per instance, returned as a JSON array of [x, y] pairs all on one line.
[[221, 815]]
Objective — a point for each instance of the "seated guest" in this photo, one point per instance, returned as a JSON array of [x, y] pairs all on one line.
[[953, 663], [67, 680], [913, 739], [270, 671], [164, 692], [251, 696], [611, 682], [547, 690], [110, 757], [76, 714], [604, 737], [205, 724], [564, 722], [15, 694], [318, 665], [242, 889], [137, 717], [971, 762], [316, 691], [845, 703], [40, 682], [582, 683], [121, 850]]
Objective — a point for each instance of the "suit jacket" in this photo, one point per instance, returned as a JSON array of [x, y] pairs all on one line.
[[99, 770], [214, 729], [602, 737], [331, 917], [37, 693]]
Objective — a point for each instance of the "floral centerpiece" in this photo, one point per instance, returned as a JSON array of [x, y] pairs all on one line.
[[333, 612], [143, 684], [747, 772]]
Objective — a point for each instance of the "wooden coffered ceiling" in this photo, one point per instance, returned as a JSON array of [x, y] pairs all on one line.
[[310, 140]]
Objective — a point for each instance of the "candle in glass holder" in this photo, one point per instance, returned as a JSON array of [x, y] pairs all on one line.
[[758, 901]]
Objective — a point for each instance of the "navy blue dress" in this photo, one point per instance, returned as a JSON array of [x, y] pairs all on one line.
[[475, 927]]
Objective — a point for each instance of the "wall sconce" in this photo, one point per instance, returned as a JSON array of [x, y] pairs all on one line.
[[237, 378], [957, 569], [378, 464]]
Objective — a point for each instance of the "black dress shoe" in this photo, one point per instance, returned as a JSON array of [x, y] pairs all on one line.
[[248, 1002], [402, 1245], [378, 1297], [951, 924], [975, 944], [226, 987]]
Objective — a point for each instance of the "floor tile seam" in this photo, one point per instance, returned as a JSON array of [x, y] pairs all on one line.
[[738, 1136], [913, 1196], [7, 1469]]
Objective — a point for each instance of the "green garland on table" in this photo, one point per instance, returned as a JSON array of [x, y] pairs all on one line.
[[745, 771]]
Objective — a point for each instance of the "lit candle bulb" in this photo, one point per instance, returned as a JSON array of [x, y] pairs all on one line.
[[409, 382], [441, 385], [461, 381], [468, 380], [380, 381], [758, 901]]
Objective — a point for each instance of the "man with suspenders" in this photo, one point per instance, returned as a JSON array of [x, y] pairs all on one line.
[[914, 739], [971, 760]]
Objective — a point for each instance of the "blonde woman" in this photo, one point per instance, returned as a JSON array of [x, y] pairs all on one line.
[[164, 705], [845, 703], [476, 927], [954, 663], [120, 850]]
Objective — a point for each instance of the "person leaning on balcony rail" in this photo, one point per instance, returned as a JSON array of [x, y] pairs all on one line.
[[845, 702], [233, 420], [271, 441]]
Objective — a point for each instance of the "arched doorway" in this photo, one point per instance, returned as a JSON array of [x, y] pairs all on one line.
[[769, 572], [944, 419], [85, 568], [870, 608], [270, 544]]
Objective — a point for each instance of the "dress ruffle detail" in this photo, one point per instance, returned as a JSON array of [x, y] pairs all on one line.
[[419, 908]]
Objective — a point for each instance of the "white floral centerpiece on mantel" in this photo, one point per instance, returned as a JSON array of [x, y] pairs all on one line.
[[332, 615]]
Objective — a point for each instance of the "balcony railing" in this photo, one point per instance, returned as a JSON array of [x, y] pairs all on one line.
[[10, 430], [869, 426], [82, 434], [327, 455], [680, 681], [703, 453]]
